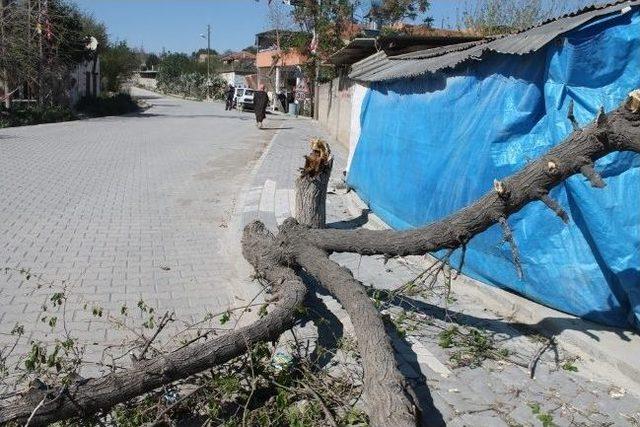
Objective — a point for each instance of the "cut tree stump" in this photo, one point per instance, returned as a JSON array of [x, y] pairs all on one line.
[[311, 186]]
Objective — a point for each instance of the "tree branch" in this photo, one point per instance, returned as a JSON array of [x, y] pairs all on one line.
[[617, 131], [387, 394], [89, 396]]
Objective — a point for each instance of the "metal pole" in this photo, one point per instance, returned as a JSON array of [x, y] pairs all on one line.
[[208, 61]]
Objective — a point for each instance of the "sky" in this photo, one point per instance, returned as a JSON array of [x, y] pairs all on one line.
[[176, 25]]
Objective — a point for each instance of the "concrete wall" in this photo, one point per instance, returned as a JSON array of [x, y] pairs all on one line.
[[235, 79], [334, 108], [145, 82], [84, 81]]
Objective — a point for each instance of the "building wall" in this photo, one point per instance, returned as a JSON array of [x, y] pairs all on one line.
[[265, 58], [335, 107], [234, 78], [85, 81]]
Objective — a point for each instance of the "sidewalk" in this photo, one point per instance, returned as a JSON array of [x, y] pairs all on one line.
[[573, 385]]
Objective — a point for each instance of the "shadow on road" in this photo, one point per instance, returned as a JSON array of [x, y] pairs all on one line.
[[352, 223]]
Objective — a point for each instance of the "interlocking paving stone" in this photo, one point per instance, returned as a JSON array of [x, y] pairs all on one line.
[[123, 208]]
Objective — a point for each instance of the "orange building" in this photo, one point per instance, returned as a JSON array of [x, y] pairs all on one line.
[[279, 70]]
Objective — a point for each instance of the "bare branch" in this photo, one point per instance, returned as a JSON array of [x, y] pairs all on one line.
[[572, 118], [594, 177], [508, 237], [555, 207]]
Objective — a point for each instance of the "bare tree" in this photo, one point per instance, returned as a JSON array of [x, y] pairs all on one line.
[[489, 17]]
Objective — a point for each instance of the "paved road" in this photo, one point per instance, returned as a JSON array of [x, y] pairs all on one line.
[[122, 208]]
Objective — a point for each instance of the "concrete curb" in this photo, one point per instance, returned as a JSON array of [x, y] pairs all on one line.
[[610, 352], [237, 226]]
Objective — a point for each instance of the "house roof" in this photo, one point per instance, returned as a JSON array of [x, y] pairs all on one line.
[[362, 47], [238, 56], [382, 66]]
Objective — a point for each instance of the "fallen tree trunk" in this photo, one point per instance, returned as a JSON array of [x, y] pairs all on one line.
[[389, 402], [617, 131], [86, 397]]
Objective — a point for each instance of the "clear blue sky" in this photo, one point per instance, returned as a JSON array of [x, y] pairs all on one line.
[[177, 24]]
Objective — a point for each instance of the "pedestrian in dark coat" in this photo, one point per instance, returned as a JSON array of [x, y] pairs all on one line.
[[260, 102], [231, 91]]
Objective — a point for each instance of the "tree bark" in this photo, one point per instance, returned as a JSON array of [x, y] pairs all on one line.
[[311, 197], [89, 396], [388, 399]]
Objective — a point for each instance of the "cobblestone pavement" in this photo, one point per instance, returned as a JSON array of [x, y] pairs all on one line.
[[119, 209], [566, 389]]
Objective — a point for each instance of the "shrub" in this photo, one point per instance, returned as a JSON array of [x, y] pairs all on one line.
[[178, 74], [33, 115], [107, 105], [117, 65], [192, 85]]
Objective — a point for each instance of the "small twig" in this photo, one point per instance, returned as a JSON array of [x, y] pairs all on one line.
[[537, 355], [508, 237], [572, 118], [462, 255], [555, 207], [164, 322], [327, 413], [594, 177], [173, 405], [35, 410], [253, 387]]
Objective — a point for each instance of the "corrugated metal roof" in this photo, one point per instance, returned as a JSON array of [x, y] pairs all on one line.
[[530, 40]]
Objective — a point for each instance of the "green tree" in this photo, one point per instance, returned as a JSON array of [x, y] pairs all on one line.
[[152, 61], [117, 64], [41, 42], [392, 11]]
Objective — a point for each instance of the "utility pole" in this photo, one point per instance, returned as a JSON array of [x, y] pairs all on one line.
[[41, 54], [208, 59], [4, 4]]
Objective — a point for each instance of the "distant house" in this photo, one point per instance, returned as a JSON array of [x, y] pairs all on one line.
[[83, 80], [202, 57], [336, 98], [236, 67], [279, 69]]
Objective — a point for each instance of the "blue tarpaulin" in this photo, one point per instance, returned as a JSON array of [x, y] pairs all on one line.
[[433, 144]]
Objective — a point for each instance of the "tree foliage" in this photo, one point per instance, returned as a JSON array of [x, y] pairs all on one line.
[[490, 17], [152, 61], [41, 42], [118, 63], [44, 40], [392, 11], [180, 74]]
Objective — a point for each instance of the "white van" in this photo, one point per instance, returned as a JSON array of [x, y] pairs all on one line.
[[243, 98]]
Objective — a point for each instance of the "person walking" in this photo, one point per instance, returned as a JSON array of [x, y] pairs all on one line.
[[230, 93], [260, 102]]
